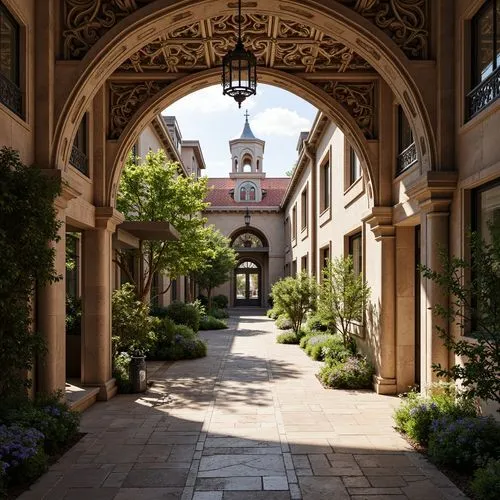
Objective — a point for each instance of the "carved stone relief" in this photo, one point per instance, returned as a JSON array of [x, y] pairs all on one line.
[[359, 100], [277, 43], [405, 21], [125, 99]]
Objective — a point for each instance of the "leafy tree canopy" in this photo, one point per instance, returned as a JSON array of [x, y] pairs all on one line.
[[154, 190]]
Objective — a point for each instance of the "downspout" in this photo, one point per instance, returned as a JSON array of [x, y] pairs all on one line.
[[310, 153]]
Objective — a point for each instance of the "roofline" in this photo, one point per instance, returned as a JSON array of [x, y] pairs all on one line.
[[316, 132], [191, 143], [162, 131]]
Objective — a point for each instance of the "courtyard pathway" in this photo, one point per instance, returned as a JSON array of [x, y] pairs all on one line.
[[250, 421]]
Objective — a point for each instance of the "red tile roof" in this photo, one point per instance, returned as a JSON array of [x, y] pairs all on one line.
[[219, 194]]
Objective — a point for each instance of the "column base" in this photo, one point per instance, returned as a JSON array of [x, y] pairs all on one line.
[[383, 385], [107, 390]]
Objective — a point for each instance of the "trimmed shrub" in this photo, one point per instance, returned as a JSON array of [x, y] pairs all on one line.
[[334, 350], [211, 323], [272, 313], [288, 337], [217, 313], [184, 314], [464, 443], [486, 482], [174, 342], [284, 323], [355, 372], [315, 324], [220, 301], [416, 412], [187, 348], [314, 344]]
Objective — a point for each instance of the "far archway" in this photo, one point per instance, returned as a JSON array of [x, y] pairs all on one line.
[[247, 284]]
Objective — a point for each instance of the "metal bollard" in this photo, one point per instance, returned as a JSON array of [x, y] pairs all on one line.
[[138, 373]]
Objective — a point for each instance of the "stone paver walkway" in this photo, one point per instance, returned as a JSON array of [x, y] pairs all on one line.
[[250, 421]]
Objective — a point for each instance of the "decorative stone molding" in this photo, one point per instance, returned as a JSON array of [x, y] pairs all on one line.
[[86, 21], [125, 99], [69, 188], [434, 191], [381, 223], [108, 218], [359, 100], [405, 21], [277, 43]]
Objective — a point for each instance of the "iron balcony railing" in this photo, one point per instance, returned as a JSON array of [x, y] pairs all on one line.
[[483, 94], [407, 158], [11, 95]]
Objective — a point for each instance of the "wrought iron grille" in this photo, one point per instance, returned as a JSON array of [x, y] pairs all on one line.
[[407, 158], [484, 94], [79, 160], [11, 95]]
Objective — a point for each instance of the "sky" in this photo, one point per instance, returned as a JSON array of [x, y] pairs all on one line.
[[276, 116]]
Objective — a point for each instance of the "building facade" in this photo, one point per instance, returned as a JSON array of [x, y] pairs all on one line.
[[416, 97]]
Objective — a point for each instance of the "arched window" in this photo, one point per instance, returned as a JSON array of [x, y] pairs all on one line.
[[247, 240], [236, 164], [247, 163], [258, 165], [248, 192]]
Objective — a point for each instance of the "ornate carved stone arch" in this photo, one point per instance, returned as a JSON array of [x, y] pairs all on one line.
[[133, 24], [321, 99]]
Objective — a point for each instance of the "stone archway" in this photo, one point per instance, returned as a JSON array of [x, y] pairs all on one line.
[[356, 28]]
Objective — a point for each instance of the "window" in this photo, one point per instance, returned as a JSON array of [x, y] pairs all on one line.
[[252, 194], [303, 209], [325, 185], [173, 287], [79, 158], [248, 192], [356, 252], [485, 57], [294, 222], [294, 268], [10, 80], [354, 167], [407, 151], [247, 240], [324, 256], [303, 264]]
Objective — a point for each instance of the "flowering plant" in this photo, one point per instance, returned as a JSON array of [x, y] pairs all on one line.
[[355, 372], [464, 443]]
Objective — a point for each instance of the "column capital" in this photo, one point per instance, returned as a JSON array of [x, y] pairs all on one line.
[[434, 191], [108, 218], [70, 189], [380, 221]]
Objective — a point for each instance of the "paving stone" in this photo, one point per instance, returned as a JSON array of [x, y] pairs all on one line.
[[93, 493], [256, 495], [148, 494], [323, 488], [377, 491], [207, 495], [241, 465], [386, 481], [148, 478], [229, 483], [275, 483]]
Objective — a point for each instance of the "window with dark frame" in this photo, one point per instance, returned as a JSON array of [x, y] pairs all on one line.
[[11, 94], [356, 252], [294, 222], [485, 57], [303, 209], [485, 219], [325, 185], [294, 268], [79, 152], [304, 264], [407, 151], [354, 167], [324, 256]]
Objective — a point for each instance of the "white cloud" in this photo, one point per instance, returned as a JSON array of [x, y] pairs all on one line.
[[206, 101], [279, 122]]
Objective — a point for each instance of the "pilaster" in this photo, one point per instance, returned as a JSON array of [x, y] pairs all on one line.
[[380, 221], [97, 289]]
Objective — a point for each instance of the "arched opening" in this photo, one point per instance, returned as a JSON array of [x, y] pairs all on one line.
[[247, 163], [247, 283]]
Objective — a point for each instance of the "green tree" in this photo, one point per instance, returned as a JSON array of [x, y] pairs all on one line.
[[342, 297], [220, 261], [156, 191], [295, 296], [473, 289], [27, 224]]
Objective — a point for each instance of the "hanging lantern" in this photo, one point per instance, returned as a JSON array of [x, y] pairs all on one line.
[[247, 217], [239, 70]]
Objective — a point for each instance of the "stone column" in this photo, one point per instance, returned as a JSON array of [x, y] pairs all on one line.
[[51, 305], [434, 194], [380, 220], [97, 289]]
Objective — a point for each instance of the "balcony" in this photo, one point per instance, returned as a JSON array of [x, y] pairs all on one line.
[[407, 158], [483, 95], [79, 160], [11, 96]]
